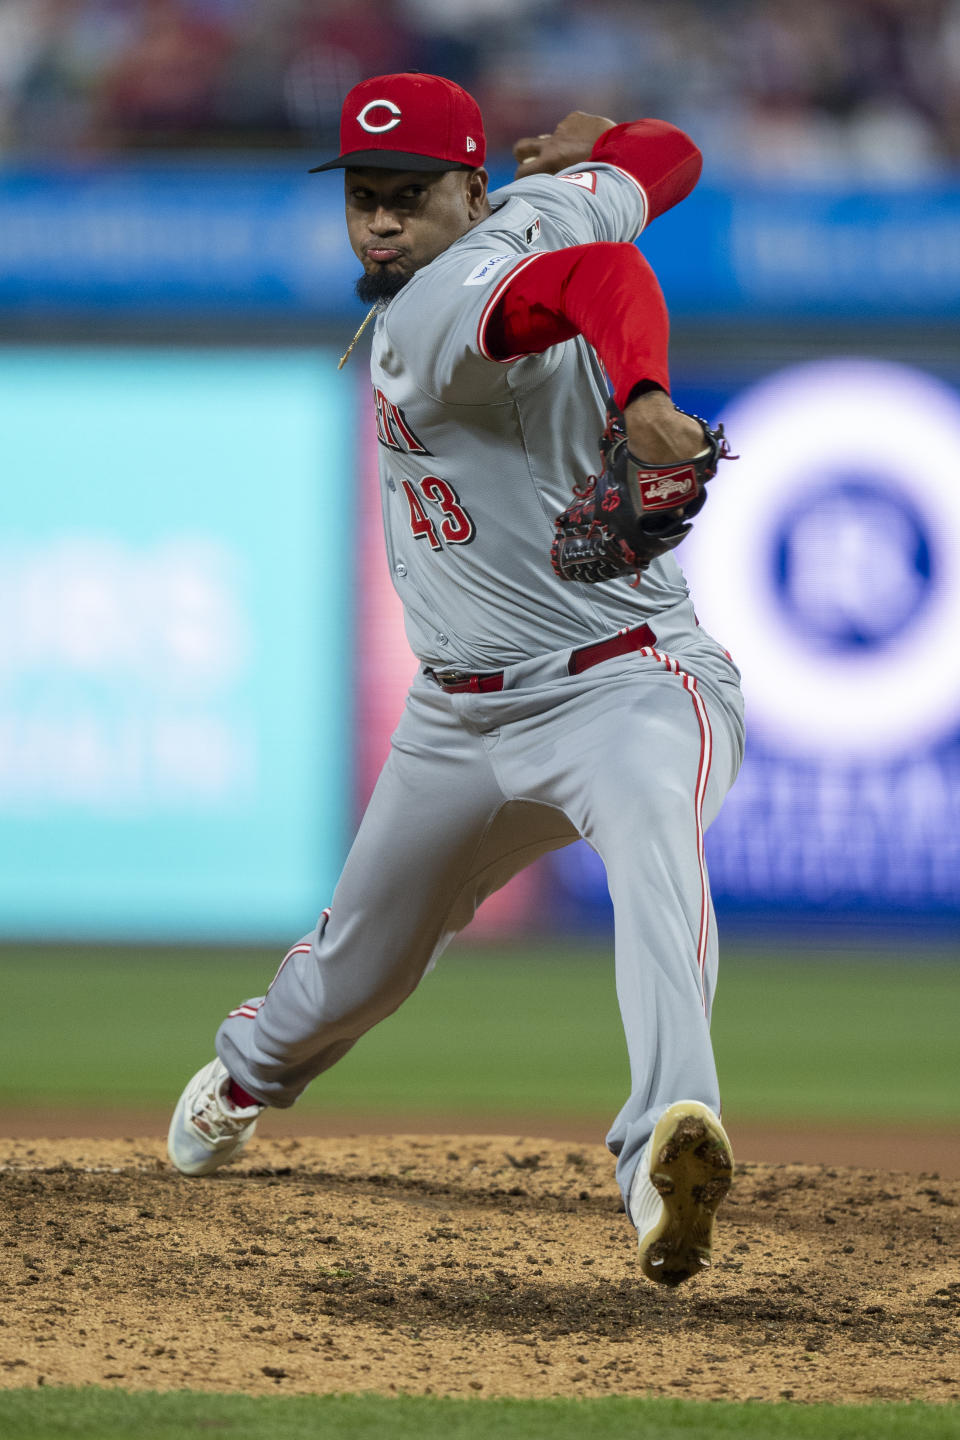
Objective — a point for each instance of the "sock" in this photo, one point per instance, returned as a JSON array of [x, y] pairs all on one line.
[[239, 1097]]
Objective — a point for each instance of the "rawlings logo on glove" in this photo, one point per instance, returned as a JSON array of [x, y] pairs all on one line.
[[660, 492], [632, 512]]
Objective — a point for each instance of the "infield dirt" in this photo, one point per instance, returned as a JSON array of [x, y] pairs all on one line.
[[465, 1266]]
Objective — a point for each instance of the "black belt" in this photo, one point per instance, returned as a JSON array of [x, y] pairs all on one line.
[[457, 682]]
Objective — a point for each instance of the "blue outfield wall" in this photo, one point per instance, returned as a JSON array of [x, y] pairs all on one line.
[[773, 254], [265, 239]]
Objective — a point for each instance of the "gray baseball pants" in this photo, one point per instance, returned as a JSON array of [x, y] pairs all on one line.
[[635, 755]]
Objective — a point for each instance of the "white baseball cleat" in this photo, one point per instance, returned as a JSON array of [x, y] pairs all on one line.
[[685, 1170], [207, 1130]]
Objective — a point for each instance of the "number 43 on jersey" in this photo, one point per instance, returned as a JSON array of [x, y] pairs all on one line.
[[456, 527]]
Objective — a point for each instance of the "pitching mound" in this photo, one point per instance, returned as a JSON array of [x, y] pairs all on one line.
[[485, 1265]]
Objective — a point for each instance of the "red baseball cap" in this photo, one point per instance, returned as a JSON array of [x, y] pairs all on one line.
[[409, 122]]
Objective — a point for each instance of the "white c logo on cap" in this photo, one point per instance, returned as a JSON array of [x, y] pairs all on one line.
[[376, 105]]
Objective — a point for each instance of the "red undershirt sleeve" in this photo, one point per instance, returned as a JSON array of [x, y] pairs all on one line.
[[661, 158], [606, 292]]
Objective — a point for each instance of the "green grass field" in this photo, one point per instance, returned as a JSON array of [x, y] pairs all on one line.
[[111, 1415], [497, 1031]]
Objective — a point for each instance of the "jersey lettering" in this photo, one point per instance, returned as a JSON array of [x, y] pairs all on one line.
[[393, 431], [383, 434], [421, 525], [457, 528]]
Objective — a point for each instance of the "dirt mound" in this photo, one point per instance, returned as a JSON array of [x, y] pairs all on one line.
[[482, 1265]]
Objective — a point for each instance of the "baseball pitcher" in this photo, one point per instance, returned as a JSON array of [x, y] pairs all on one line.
[[563, 687]]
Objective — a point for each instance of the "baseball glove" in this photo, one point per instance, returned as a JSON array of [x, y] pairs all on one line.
[[632, 512]]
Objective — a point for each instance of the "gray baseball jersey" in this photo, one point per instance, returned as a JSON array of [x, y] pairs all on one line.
[[477, 457], [633, 751]]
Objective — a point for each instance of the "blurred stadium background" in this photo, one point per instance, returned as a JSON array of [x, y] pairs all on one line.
[[201, 658]]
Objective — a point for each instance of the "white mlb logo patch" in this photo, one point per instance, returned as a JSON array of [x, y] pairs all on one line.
[[485, 271], [586, 179]]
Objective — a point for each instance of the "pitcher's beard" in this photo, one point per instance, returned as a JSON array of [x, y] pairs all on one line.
[[381, 285]]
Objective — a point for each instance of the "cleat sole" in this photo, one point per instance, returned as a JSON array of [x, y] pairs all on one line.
[[692, 1171]]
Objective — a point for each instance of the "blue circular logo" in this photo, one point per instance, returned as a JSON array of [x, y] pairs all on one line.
[[852, 565]]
